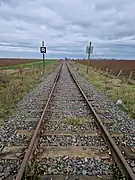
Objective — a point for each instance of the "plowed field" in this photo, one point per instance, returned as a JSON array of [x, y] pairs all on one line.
[[7, 62], [113, 66]]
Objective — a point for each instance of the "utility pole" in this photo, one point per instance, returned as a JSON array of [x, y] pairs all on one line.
[[88, 51]]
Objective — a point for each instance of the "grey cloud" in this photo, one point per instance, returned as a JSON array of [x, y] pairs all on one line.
[[67, 26]]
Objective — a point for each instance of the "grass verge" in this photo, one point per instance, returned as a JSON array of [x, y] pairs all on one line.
[[14, 84], [111, 86]]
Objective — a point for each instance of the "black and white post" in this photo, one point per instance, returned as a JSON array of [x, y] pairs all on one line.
[[43, 51]]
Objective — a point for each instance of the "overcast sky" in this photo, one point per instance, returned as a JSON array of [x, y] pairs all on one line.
[[67, 26]]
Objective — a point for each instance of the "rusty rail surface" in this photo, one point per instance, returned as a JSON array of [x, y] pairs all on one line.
[[36, 134], [116, 153]]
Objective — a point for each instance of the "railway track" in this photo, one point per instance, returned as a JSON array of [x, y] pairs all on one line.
[[70, 140]]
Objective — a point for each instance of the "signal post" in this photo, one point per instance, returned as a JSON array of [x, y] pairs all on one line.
[[89, 51], [43, 51]]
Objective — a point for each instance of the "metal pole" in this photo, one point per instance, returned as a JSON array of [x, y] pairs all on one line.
[[43, 56], [42, 43], [89, 51], [43, 60]]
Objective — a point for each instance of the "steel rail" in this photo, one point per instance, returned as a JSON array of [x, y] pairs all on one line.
[[36, 134], [116, 153]]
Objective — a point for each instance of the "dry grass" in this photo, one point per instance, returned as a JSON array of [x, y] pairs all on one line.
[[111, 86], [14, 85]]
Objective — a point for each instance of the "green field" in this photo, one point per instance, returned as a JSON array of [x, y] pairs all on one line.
[[38, 64]]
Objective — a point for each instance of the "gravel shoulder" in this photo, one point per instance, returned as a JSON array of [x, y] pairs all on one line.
[[29, 107], [107, 109]]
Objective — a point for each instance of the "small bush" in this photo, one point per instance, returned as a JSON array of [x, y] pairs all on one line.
[[4, 78], [131, 82], [75, 121]]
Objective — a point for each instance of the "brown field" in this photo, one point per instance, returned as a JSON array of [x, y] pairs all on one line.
[[10, 61], [113, 66]]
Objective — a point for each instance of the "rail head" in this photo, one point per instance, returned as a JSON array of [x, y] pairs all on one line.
[[116, 153]]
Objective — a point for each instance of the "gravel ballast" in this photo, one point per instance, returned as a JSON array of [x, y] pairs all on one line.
[[67, 107], [123, 123], [68, 112], [75, 166], [32, 102]]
